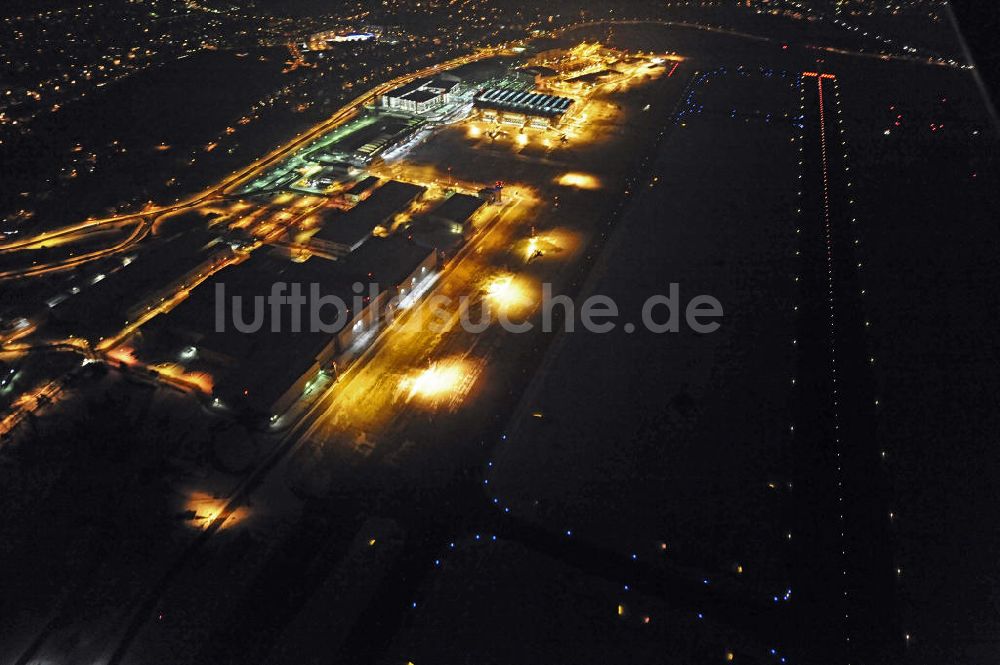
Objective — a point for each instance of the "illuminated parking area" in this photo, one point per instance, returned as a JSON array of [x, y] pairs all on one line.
[[564, 101]]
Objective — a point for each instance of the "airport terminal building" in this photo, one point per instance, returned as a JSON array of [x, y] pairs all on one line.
[[520, 108], [422, 95]]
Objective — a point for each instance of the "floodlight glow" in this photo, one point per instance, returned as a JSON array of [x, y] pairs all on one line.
[[579, 181]]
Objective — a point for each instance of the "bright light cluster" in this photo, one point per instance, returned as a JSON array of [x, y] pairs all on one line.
[[579, 180], [443, 382], [505, 293]]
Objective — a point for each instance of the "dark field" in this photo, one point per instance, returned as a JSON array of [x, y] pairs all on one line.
[[144, 138], [691, 428]]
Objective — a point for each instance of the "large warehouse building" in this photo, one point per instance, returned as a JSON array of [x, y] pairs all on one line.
[[517, 107], [264, 372], [342, 233], [458, 211], [446, 228], [156, 273]]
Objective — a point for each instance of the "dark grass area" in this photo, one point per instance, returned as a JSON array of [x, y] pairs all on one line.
[[929, 241], [500, 602], [97, 514], [683, 432]]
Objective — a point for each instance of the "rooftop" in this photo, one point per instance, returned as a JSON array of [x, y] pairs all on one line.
[[458, 208], [524, 102], [409, 87], [441, 83], [355, 226], [540, 70], [250, 279], [436, 83], [387, 261], [101, 308], [364, 185], [421, 96], [435, 236], [267, 362]]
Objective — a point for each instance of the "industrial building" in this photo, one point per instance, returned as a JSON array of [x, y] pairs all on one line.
[[577, 61], [386, 141], [422, 95], [458, 211], [321, 41], [537, 76], [264, 372], [341, 154], [446, 228], [327, 176], [361, 189], [436, 237], [342, 233], [395, 263], [520, 108], [361, 141], [137, 284]]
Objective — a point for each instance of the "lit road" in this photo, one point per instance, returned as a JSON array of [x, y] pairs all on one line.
[[220, 189], [370, 393], [140, 231], [345, 113]]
